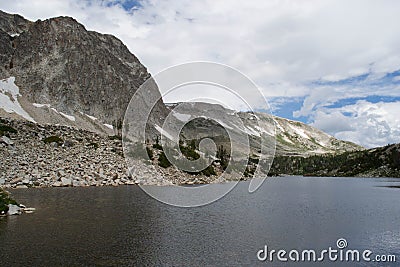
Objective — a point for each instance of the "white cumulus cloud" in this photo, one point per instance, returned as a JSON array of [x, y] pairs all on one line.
[[365, 123]]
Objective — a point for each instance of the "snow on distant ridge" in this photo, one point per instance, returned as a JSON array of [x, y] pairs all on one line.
[[299, 131], [279, 126], [264, 130], [41, 105], [9, 93], [181, 117], [91, 117], [71, 118]]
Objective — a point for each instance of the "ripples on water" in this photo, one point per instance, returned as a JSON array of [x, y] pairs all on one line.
[[122, 226]]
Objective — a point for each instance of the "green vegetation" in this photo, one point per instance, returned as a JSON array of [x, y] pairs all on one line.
[[5, 200], [254, 159], [249, 172], [115, 137], [5, 128], [251, 166], [189, 152], [117, 126], [30, 124], [192, 144], [163, 161], [53, 139], [347, 164], [223, 157], [157, 146], [149, 153], [208, 171]]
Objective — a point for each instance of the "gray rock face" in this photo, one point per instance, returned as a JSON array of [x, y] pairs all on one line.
[[10, 26], [13, 23], [58, 62], [5, 52]]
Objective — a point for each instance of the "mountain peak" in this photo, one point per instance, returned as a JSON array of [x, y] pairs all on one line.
[[13, 23], [57, 62], [62, 23]]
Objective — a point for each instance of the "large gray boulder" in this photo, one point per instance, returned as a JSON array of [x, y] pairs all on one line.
[[14, 210]]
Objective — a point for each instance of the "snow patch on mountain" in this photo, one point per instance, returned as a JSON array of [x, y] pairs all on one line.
[[181, 117], [109, 126], [69, 117], [279, 126], [252, 131], [264, 130], [91, 117], [299, 131], [9, 94], [87, 115], [41, 105]]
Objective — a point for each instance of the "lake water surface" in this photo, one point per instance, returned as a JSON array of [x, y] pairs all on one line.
[[122, 226]]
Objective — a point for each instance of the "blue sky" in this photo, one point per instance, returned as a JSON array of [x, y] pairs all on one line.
[[126, 5], [333, 64], [286, 107]]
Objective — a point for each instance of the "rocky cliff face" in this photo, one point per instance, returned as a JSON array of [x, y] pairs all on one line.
[[57, 62], [13, 24]]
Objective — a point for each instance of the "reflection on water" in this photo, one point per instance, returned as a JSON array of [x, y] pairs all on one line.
[[122, 226]]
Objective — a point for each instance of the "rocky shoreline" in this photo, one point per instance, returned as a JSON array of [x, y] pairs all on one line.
[[37, 155]]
